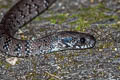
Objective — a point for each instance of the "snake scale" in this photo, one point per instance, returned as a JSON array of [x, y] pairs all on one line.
[[22, 13]]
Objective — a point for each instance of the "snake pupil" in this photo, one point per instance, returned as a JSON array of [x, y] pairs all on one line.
[[82, 40]]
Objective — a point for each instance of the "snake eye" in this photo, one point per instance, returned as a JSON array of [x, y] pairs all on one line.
[[82, 40]]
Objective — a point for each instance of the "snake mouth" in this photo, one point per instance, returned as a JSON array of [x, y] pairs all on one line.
[[81, 47], [85, 46], [89, 45]]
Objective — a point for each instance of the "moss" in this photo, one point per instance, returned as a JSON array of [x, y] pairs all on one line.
[[91, 15], [116, 26], [7, 65], [52, 79], [1, 63], [105, 45], [9, 2], [119, 67], [54, 19], [31, 75], [85, 17], [42, 29], [117, 55]]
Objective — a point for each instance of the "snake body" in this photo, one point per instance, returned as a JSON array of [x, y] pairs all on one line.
[[22, 13]]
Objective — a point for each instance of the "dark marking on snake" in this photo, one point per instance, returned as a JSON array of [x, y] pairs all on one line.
[[21, 14]]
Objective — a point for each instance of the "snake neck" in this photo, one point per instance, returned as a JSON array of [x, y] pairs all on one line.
[[19, 15]]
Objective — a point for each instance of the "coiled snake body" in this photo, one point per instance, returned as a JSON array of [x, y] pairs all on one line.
[[22, 13]]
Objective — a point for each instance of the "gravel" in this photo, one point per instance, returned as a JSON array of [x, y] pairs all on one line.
[[100, 63]]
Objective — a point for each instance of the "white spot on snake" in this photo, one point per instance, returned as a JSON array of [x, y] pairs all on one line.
[[70, 44], [85, 46], [45, 2], [91, 45], [82, 47], [77, 47], [55, 49], [36, 12]]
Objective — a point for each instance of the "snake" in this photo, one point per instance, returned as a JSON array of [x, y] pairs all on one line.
[[21, 14]]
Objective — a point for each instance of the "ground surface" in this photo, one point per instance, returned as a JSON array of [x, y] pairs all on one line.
[[100, 18]]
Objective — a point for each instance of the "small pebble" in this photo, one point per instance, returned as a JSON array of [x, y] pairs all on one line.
[[12, 60]]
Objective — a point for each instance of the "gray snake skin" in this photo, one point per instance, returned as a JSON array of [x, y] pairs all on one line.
[[22, 13]]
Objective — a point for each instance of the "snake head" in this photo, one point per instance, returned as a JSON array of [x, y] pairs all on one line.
[[71, 40]]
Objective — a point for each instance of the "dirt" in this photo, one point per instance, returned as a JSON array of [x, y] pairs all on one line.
[[99, 63]]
